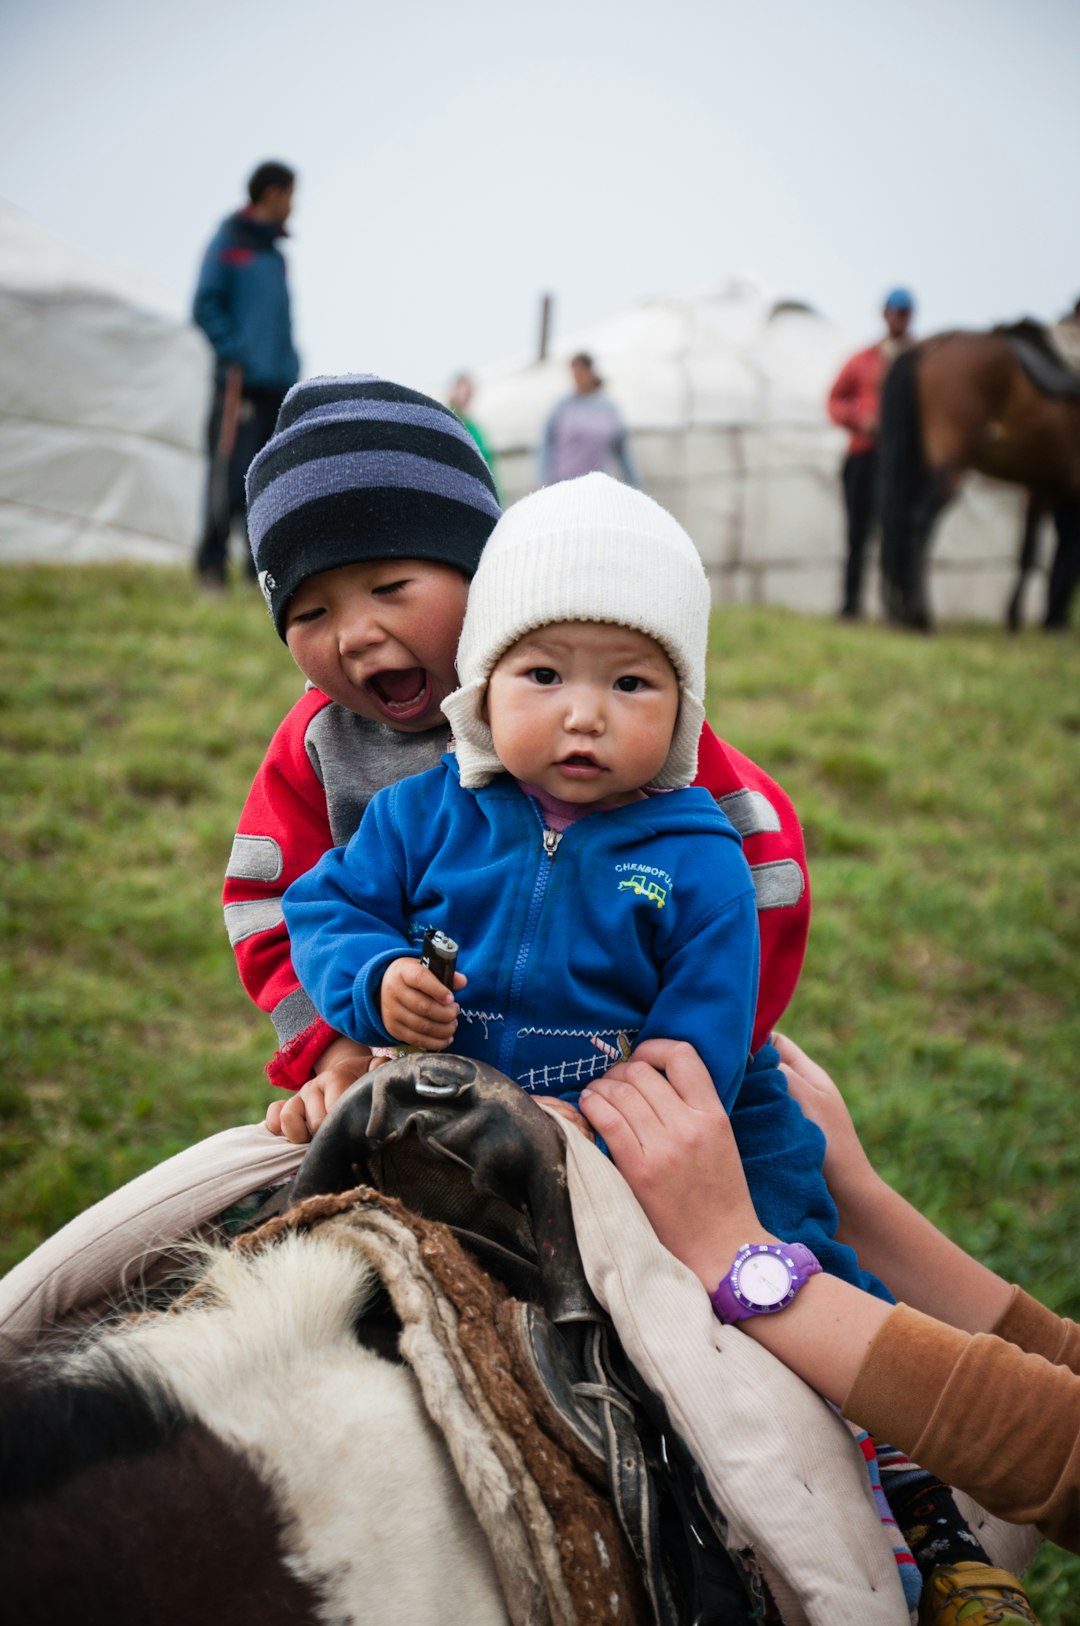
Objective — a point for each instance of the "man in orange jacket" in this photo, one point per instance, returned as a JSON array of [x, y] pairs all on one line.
[[854, 403]]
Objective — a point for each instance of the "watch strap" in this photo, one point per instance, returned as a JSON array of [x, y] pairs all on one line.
[[731, 1306]]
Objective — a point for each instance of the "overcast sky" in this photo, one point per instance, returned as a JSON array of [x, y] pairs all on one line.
[[456, 160]]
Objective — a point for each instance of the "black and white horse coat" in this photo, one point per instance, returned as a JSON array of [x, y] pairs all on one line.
[[252, 1455], [245, 1461]]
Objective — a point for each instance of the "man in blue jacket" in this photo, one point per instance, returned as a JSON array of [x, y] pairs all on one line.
[[242, 305]]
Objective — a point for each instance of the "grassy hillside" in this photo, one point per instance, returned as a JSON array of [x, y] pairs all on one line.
[[937, 780]]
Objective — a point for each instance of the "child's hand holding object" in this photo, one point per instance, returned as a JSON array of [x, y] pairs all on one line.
[[415, 1007]]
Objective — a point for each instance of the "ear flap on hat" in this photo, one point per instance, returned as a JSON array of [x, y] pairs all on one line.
[[473, 745]]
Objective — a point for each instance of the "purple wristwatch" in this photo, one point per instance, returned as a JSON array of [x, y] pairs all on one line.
[[764, 1278]]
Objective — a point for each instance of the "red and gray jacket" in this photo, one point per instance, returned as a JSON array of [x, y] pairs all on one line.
[[324, 765]]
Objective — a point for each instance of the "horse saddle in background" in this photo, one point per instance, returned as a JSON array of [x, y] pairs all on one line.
[[469, 1175], [1050, 356]]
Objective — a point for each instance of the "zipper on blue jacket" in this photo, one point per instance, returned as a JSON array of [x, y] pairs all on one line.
[[551, 839]]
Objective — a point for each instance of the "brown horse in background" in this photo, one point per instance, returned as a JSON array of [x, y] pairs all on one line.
[[963, 401]]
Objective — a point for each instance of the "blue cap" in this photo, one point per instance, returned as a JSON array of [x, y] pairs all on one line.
[[899, 299]]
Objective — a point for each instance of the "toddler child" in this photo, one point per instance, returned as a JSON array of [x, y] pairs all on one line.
[[597, 898], [361, 478]]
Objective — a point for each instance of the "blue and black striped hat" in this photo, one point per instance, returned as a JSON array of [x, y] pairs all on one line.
[[359, 469]]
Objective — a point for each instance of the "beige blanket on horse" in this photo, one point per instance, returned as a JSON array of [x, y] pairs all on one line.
[[779, 1461]]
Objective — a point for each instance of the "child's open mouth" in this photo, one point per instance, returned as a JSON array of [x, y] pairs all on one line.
[[402, 694]]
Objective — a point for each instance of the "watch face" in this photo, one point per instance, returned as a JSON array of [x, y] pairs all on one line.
[[763, 1279]]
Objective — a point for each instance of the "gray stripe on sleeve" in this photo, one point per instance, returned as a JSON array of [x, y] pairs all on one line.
[[243, 920], [257, 858], [749, 811], [292, 1015], [779, 885]]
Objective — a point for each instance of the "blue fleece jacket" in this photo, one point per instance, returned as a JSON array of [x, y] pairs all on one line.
[[642, 921], [242, 302], [636, 922]]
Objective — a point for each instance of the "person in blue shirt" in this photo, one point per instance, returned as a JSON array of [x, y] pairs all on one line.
[[597, 898], [242, 305]]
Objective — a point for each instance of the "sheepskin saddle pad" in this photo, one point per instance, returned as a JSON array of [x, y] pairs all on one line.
[[454, 1184]]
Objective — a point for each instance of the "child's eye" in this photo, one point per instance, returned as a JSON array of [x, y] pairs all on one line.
[[386, 588], [543, 674], [306, 615], [630, 684]]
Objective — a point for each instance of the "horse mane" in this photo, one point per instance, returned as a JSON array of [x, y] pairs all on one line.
[[900, 454]]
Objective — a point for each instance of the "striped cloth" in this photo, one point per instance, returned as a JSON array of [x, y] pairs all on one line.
[[360, 469]]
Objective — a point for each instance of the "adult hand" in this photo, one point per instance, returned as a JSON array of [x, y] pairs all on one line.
[[415, 1007], [340, 1065], [672, 1142], [849, 1173]]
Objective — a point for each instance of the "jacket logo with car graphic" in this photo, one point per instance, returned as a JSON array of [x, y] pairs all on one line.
[[646, 881]]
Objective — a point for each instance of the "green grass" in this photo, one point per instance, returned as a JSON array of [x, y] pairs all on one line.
[[937, 781]]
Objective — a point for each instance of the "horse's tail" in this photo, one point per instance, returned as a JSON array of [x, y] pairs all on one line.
[[901, 468]]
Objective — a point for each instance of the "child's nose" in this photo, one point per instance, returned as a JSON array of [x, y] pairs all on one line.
[[359, 631], [584, 712]]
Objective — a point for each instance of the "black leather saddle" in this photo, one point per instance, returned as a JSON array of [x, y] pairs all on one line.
[[1032, 348]]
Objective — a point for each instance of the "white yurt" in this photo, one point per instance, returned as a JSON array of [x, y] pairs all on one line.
[[724, 398], [104, 390]]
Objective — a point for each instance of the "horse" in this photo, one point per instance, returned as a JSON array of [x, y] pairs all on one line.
[[1000, 403], [347, 1417], [373, 1409]]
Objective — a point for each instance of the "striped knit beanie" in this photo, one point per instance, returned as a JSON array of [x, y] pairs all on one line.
[[360, 469], [588, 549]]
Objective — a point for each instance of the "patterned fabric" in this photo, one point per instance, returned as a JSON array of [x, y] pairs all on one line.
[[910, 1579]]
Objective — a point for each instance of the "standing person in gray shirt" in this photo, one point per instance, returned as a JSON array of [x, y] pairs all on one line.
[[585, 434]]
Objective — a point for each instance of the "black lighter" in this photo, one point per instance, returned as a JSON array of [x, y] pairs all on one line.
[[439, 954]]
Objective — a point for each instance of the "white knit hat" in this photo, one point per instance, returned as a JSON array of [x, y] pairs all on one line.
[[583, 550]]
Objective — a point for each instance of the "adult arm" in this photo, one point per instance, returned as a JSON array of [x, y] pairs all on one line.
[[1001, 1424], [921, 1265], [212, 307], [844, 397], [672, 1141], [981, 1413]]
